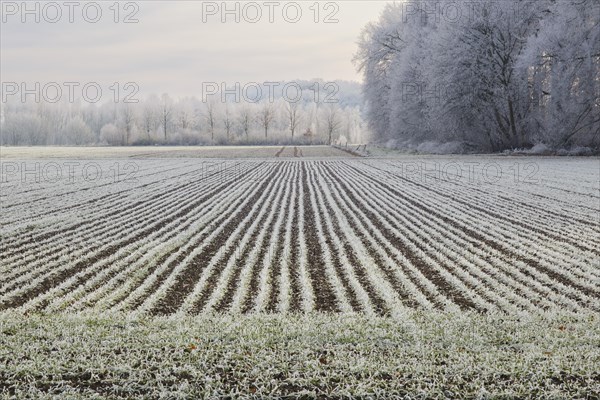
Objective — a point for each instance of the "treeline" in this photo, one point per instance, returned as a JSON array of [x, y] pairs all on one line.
[[317, 114], [486, 75]]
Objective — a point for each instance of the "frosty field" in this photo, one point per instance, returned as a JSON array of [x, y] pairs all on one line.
[[208, 268]]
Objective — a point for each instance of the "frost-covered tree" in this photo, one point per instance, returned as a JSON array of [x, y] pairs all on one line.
[[77, 132], [166, 113], [22, 129], [380, 45], [184, 114], [411, 90], [228, 120], [149, 117], [293, 110], [128, 121], [184, 121], [332, 120], [477, 70], [266, 116], [211, 116], [563, 62], [501, 74], [110, 134], [245, 118], [353, 126]]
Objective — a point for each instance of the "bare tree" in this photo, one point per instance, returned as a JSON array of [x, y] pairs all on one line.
[[332, 120], [166, 112], [148, 119], [266, 116], [227, 122], [185, 114], [293, 114], [148, 115], [211, 118], [22, 128], [246, 120], [128, 118]]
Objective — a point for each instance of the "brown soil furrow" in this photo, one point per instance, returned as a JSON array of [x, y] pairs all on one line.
[[434, 276], [130, 211], [124, 224], [140, 205], [535, 207], [475, 237], [54, 280], [168, 271], [479, 286], [211, 283], [389, 274], [325, 299], [234, 280], [184, 282], [335, 259], [499, 246], [362, 274], [275, 260], [490, 213], [295, 285], [414, 279], [84, 189], [168, 236]]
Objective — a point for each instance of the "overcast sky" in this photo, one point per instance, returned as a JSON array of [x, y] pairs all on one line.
[[177, 45]]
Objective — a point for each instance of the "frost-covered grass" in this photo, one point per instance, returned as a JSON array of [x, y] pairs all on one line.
[[420, 355]]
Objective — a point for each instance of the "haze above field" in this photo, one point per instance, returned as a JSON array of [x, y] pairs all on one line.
[[176, 46]]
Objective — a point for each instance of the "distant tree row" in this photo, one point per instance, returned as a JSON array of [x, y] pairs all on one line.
[[489, 74], [185, 121]]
